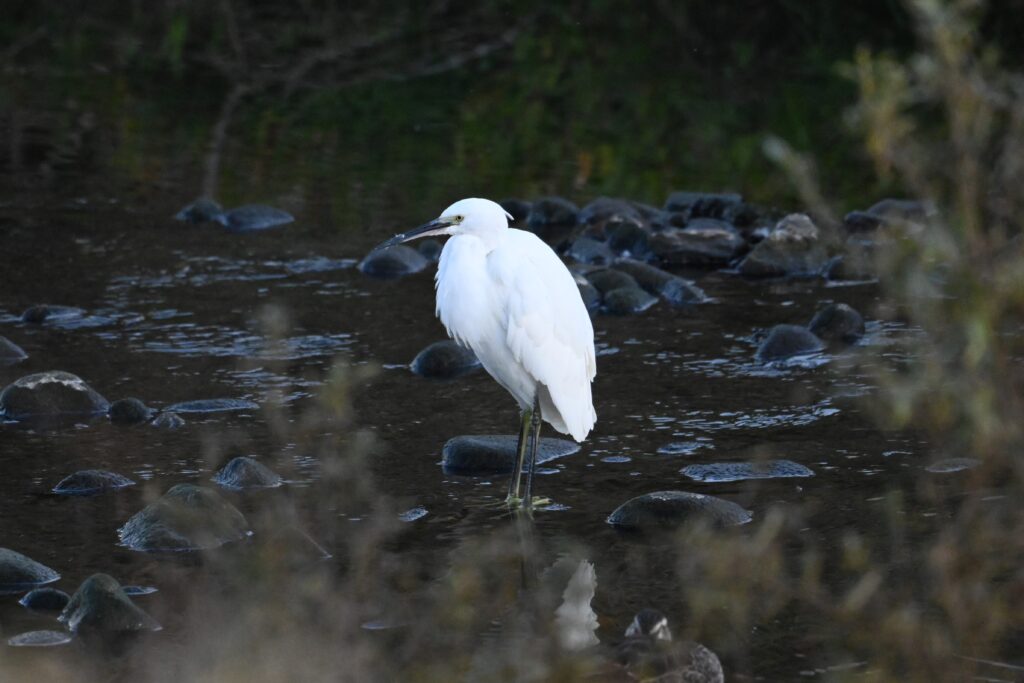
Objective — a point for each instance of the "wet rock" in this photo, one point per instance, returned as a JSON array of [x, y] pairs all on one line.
[[861, 221], [786, 341], [551, 211], [18, 572], [212, 405], [486, 454], [857, 262], [792, 248], [45, 600], [703, 242], [431, 249], [518, 208], [628, 301], [628, 239], [950, 465], [444, 359], [202, 210], [588, 250], [50, 393], [738, 471], [40, 313], [608, 279], [896, 211], [40, 639], [135, 591], [667, 509], [589, 294], [187, 517], [253, 217], [671, 288], [244, 472], [130, 411], [393, 262], [701, 204], [10, 352], [166, 420], [837, 323], [412, 514], [91, 483], [604, 210], [99, 605]]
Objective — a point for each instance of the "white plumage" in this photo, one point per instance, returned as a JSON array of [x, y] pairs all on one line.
[[507, 296]]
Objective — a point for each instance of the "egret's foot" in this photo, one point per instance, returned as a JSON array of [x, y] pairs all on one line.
[[513, 501], [539, 502]]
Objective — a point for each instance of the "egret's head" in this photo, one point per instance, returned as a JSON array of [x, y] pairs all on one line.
[[472, 216], [650, 623]]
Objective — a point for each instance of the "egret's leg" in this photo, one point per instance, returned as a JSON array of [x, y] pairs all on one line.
[[513, 485], [534, 445]]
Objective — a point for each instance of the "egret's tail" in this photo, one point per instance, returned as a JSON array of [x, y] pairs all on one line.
[[573, 415]]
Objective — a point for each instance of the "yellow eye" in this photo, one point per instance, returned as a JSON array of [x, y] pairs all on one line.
[[459, 219]]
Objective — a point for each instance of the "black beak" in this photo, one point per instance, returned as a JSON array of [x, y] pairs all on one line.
[[434, 227]]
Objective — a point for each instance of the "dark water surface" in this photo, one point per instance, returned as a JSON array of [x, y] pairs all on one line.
[[176, 312]]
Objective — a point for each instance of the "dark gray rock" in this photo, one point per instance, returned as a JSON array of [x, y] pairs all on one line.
[[10, 352], [444, 359], [895, 211], [786, 341], [738, 471], [244, 472], [393, 262], [837, 323], [202, 210], [41, 313], [91, 483], [431, 249], [605, 210], [701, 204], [48, 394], [212, 405], [100, 606], [628, 301], [486, 454], [187, 517], [588, 250], [950, 465], [253, 217], [551, 211], [861, 221], [792, 248], [166, 420], [671, 288], [703, 242], [18, 573], [135, 591], [589, 294], [45, 599], [130, 411], [668, 509], [40, 639], [518, 208], [628, 239], [608, 279]]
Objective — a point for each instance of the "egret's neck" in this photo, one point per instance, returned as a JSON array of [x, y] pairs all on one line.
[[490, 239]]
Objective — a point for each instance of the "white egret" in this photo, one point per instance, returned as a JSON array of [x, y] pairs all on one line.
[[507, 296]]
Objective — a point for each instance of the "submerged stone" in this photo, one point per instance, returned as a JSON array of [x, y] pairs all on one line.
[[100, 605], [412, 514], [703, 242], [10, 352], [166, 420], [18, 572], [487, 454], [837, 323], [950, 465], [91, 482], [187, 517], [608, 279], [202, 210], [786, 341], [671, 288], [253, 217], [42, 312], [244, 472], [134, 591], [130, 411], [212, 405], [40, 639], [444, 359], [50, 393], [738, 471], [393, 262], [628, 301], [667, 509], [45, 599], [792, 249]]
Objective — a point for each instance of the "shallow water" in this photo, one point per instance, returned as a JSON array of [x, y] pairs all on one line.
[[175, 312]]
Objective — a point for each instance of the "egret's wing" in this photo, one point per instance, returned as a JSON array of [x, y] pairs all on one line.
[[548, 329]]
